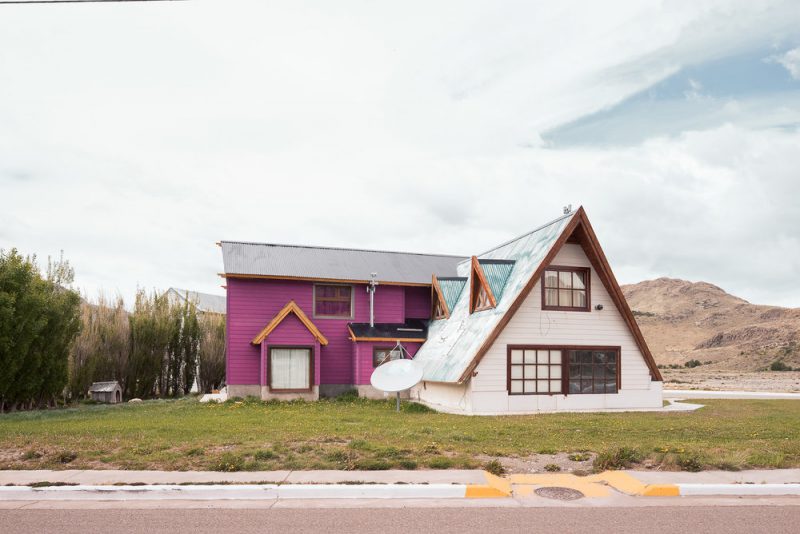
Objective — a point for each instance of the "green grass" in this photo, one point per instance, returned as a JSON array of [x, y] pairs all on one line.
[[363, 434]]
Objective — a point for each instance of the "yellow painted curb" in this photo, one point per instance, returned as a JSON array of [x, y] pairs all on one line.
[[495, 487], [661, 490], [620, 481]]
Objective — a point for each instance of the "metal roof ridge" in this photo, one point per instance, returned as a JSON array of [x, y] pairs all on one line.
[[526, 234], [343, 248]]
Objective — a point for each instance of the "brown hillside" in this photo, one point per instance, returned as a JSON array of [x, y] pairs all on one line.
[[696, 320]]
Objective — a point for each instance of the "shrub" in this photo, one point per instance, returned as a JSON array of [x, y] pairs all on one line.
[[229, 462], [778, 365], [693, 363], [579, 456], [408, 464], [552, 468], [264, 455], [620, 458], [441, 462], [372, 464], [414, 407], [495, 467], [66, 457], [690, 463], [349, 395]]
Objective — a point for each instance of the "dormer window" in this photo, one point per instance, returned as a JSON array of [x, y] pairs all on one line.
[[480, 294], [565, 288]]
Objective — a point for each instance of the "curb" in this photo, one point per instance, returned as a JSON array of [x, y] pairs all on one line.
[[237, 491]]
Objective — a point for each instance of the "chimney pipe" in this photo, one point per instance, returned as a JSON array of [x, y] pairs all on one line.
[[371, 290]]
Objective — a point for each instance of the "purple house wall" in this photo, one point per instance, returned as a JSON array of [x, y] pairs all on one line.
[[253, 303]]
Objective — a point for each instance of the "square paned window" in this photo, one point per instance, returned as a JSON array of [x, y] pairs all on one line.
[[333, 301], [565, 288], [381, 355], [535, 372]]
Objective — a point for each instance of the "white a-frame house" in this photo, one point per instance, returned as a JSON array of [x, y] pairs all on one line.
[[537, 324]]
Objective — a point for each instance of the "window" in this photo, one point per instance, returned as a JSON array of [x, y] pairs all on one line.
[[480, 296], [533, 371], [593, 371], [546, 370], [333, 301], [384, 354], [438, 310], [565, 288], [290, 369]]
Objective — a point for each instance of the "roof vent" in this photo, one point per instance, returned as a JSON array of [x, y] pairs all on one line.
[[567, 209]]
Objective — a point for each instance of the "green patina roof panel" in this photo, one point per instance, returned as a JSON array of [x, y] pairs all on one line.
[[451, 290], [497, 273], [453, 343]]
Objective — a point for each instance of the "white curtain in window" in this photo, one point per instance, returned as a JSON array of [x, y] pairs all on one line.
[[290, 368]]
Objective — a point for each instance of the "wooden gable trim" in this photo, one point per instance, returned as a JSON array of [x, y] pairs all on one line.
[[476, 274], [437, 296], [606, 276], [291, 307]]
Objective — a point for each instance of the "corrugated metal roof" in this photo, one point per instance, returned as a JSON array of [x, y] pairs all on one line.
[[496, 273], [104, 387], [205, 302], [296, 261], [452, 288], [453, 343]]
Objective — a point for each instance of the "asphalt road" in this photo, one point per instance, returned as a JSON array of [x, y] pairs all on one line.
[[650, 520]]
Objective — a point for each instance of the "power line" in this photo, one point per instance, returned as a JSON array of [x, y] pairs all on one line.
[[19, 2]]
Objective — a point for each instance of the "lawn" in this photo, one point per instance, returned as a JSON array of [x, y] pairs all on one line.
[[361, 434]]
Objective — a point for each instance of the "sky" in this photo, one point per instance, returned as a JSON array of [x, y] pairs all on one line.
[[134, 136]]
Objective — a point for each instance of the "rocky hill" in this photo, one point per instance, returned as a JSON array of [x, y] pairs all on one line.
[[699, 321]]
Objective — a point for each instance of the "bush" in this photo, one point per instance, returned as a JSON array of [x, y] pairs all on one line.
[[690, 463], [372, 464], [264, 455], [441, 462], [408, 464], [552, 468], [66, 457], [621, 458], [778, 365], [579, 456], [495, 467], [229, 462], [414, 407], [693, 363]]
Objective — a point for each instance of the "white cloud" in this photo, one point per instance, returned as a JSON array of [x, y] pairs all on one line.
[[135, 136], [791, 62]]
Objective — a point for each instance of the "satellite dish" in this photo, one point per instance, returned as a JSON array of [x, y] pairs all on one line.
[[396, 376]]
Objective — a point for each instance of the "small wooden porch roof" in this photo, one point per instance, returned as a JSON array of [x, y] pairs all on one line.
[[291, 307]]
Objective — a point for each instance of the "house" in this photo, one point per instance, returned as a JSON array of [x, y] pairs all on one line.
[[109, 392], [204, 302], [537, 324], [299, 319]]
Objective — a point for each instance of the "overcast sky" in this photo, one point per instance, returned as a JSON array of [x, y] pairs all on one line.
[[134, 136]]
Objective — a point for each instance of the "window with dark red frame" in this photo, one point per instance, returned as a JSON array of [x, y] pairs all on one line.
[[565, 288], [333, 301], [549, 370]]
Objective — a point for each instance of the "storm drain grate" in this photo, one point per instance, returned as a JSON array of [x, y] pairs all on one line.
[[561, 494]]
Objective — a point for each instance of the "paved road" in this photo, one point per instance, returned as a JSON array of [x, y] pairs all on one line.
[[652, 520]]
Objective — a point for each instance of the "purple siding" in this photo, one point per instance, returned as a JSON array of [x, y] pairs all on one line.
[[293, 332], [253, 303], [363, 357], [418, 303]]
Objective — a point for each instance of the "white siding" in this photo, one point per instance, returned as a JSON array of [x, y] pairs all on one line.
[[453, 398], [486, 392]]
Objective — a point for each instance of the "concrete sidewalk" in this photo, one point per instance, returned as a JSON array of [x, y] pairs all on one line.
[[111, 476]]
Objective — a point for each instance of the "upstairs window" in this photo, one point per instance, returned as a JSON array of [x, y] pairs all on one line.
[[438, 310], [565, 288], [333, 301]]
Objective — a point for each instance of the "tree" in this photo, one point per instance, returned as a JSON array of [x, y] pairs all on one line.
[[39, 319], [151, 333], [212, 352]]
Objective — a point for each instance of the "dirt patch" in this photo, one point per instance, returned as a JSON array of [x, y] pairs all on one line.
[[543, 463], [767, 381]]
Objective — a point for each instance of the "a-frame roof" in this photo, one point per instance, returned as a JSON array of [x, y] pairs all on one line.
[[291, 307], [456, 346]]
